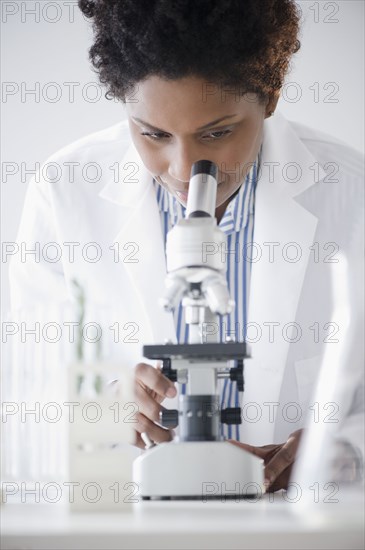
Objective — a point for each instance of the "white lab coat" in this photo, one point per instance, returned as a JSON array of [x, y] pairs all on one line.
[[310, 191]]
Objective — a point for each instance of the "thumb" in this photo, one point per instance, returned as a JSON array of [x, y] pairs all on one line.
[[257, 451]]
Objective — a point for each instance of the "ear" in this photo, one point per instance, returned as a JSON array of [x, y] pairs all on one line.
[[272, 103]]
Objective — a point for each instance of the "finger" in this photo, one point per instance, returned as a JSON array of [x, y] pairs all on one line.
[[147, 405], [250, 448], [282, 481], [155, 432], [155, 380], [281, 460], [262, 452], [138, 441]]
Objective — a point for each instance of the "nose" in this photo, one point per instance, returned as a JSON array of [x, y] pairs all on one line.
[[180, 163]]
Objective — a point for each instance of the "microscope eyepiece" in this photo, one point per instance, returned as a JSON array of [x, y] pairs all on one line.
[[204, 167], [202, 189]]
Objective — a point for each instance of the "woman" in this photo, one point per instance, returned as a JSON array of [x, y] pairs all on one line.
[[201, 80]]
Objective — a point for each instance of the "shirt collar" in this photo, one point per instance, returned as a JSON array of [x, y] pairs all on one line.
[[238, 209]]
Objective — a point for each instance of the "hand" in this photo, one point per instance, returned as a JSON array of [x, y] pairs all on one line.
[[278, 460], [151, 387]]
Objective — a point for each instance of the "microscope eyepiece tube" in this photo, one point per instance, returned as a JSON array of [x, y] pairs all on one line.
[[202, 189]]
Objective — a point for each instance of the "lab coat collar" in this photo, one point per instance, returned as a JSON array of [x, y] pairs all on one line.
[[286, 159], [134, 179]]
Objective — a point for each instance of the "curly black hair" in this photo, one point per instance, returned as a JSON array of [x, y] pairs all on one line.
[[241, 43]]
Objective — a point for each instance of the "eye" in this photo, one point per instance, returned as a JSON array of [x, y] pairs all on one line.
[[218, 134], [157, 136]]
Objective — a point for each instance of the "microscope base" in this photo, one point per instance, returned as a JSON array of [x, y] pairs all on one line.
[[198, 469]]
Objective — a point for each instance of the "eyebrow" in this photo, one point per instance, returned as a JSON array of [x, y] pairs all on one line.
[[208, 125]]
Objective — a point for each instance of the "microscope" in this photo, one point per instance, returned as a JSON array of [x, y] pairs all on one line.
[[199, 463]]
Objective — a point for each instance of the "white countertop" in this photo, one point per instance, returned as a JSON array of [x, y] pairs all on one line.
[[270, 522]]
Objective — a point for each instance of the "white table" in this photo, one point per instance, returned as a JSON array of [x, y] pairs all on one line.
[[266, 524]]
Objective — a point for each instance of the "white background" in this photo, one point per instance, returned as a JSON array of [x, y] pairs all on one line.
[[47, 42]]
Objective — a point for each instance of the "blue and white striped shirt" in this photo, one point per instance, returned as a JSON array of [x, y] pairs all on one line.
[[238, 224]]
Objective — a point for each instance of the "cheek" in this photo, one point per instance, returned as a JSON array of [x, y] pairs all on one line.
[[239, 154], [231, 159], [151, 157]]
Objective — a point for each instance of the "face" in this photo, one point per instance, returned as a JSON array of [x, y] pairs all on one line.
[[178, 122]]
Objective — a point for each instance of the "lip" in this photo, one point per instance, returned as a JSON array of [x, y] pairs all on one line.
[[183, 195]]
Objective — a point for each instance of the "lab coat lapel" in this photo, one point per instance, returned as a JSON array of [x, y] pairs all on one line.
[[141, 226], [276, 282]]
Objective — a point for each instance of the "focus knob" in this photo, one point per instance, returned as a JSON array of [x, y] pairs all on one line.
[[236, 375], [231, 415], [169, 418], [168, 371]]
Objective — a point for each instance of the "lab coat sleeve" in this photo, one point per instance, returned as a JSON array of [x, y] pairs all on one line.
[[36, 272], [351, 382], [352, 429]]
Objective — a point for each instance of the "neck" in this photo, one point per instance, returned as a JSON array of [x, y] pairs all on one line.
[[219, 212]]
